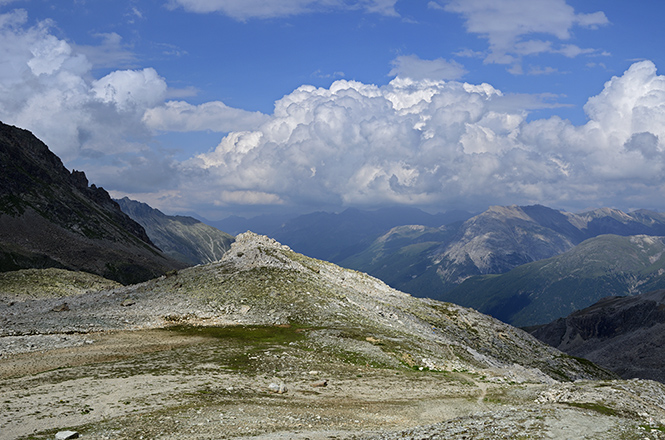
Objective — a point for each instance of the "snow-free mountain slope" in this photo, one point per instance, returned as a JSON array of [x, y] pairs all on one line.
[[183, 238], [50, 217], [539, 292], [493, 242]]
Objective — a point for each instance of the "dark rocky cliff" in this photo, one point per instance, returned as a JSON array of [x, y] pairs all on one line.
[[50, 217], [623, 334]]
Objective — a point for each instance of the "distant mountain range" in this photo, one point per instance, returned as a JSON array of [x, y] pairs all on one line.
[[538, 292], [525, 265], [185, 239], [336, 236], [50, 217], [623, 334], [496, 241]]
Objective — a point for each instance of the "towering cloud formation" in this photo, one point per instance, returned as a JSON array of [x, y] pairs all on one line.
[[45, 86], [435, 143]]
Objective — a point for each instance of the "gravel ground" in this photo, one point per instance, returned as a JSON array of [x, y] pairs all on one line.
[[159, 384], [242, 348]]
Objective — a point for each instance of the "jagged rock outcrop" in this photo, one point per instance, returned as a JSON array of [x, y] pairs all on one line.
[[50, 217], [185, 239]]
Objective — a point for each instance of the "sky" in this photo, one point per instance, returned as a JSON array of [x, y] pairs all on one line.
[[249, 107]]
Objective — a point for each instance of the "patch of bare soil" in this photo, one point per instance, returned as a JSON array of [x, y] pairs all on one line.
[[86, 349], [220, 383], [163, 384]]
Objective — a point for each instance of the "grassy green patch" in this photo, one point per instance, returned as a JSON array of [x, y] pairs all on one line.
[[649, 428], [242, 345], [246, 334], [601, 409]]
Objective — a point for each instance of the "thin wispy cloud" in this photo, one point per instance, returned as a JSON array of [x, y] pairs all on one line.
[[510, 26], [263, 9], [111, 52], [411, 66]]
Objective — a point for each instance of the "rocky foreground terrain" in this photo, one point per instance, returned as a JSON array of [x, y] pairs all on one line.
[[269, 344]]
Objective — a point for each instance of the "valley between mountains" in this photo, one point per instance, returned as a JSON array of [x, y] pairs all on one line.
[[120, 322]]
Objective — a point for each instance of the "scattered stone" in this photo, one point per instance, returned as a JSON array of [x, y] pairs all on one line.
[[320, 384], [278, 388], [128, 302], [61, 308], [66, 435]]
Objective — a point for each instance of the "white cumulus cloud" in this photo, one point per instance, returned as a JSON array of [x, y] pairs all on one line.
[[436, 144], [103, 125], [131, 89]]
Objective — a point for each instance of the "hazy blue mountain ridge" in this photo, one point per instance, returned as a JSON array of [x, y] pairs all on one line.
[[335, 236]]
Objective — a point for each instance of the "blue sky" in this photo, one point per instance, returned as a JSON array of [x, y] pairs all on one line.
[[246, 107]]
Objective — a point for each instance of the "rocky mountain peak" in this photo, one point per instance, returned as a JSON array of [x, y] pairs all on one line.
[[251, 251]]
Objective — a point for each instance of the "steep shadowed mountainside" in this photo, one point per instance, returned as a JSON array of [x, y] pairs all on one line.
[[50, 217], [623, 334], [541, 291], [182, 238]]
